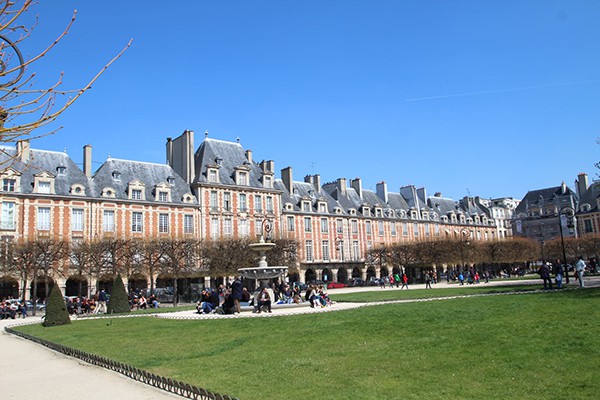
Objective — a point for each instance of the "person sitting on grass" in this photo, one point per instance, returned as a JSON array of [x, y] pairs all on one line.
[[264, 300]]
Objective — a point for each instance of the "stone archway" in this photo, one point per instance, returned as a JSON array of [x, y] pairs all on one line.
[[40, 291], [137, 283], [357, 272], [342, 275], [384, 272], [105, 282], [310, 276], [9, 287], [327, 275], [76, 285], [371, 273]]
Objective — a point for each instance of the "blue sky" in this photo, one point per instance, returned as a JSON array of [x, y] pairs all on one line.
[[487, 98]]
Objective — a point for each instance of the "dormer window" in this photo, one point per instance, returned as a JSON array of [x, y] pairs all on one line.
[[378, 212], [136, 194], [77, 190], [9, 185], [136, 190], [171, 180], [268, 182], [11, 180], [213, 175], [61, 170], [163, 196], [242, 178], [108, 192], [116, 176], [322, 207], [188, 198], [306, 206]]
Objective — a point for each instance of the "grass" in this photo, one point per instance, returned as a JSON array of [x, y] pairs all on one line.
[[390, 295], [533, 346]]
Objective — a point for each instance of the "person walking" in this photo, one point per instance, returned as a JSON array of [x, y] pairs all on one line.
[[544, 272], [559, 270], [404, 282], [101, 306], [580, 269], [427, 280], [236, 293]]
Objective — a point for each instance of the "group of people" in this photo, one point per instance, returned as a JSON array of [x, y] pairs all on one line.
[[394, 280], [557, 269], [11, 308]]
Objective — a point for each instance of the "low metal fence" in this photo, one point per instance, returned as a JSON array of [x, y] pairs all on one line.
[[169, 385]]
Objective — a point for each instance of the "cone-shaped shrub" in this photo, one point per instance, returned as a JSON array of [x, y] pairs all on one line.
[[56, 310], [119, 302]]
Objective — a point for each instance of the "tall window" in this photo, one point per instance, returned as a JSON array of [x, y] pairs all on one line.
[[306, 206], [324, 225], [43, 221], [108, 221], [290, 224], [339, 226], [243, 178], [355, 250], [243, 202], [227, 227], [243, 227], [416, 229], [212, 175], [8, 215], [258, 204], [227, 201], [77, 219], [9, 185], [163, 223], [307, 224], [426, 229], [188, 223], [309, 250], [163, 196], [404, 229], [368, 227], [354, 224], [393, 228], [136, 194], [269, 204], [380, 227], [136, 222], [214, 203], [325, 250], [214, 228]]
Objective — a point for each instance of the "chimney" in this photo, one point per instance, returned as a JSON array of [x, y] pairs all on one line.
[[87, 160], [581, 183], [341, 185], [308, 179], [23, 150], [422, 194], [437, 194], [356, 184], [382, 191], [169, 147], [271, 166], [286, 177], [563, 188], [317, 182], [249, 156]]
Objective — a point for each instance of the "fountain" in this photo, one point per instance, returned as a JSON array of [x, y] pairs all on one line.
[[263, 272]]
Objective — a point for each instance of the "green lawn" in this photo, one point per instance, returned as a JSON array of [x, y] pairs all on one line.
[[526, 346]]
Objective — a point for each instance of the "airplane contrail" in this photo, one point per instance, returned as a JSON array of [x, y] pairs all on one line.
[[446, 96]]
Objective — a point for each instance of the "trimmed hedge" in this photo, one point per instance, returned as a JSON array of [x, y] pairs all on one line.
[[119, 301], [56, 309]]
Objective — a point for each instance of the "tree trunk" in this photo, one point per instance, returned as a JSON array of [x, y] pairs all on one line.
[[175, 294]]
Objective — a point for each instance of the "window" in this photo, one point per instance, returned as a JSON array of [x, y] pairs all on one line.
[[212, 175], [243, 202], [322, 207], [108, 221], [258, 204], [243, 227], [43, 221], [227, 227], [243, 178], [393, 228], [214, 201], [258, 227], [136, 222], [163, 196], [188, 223], [354, 224], [163, 223], [269, 204], [8, 215], [306, 206], [587, 226], [309, 250], [380, 227], [436, 229], [227, 201], [415, 229], [325, 250], [426, 229], [9, 185], [324, 225], [136, 194], [368, 227], [268, 182], [44, 187], [214, 228], [339, 226], [307, 224], [290, 224], [404, 229], [61, 170], [77, 219], [355, 250]]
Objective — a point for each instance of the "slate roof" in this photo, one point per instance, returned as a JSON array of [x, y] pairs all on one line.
[[231, 155], [541, 197], [45, 161], [149, 174], [591, 196], [305, 190]]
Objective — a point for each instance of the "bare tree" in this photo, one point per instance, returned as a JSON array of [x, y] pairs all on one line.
[[224, 256], [179, 257], [24, 256], [25, 107], [81, 262], [49, 253], [152, 254]]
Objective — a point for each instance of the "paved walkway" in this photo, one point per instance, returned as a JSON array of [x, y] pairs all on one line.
[[36, 371]]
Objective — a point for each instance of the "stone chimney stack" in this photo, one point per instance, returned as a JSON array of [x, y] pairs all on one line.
[[249, 156], [314, 180], [581, 183], [87, 160], [342, 185], [382, 191], [356, 184], [23, 150], [287, 178]]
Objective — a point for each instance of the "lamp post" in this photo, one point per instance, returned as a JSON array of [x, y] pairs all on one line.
[[569, 214]]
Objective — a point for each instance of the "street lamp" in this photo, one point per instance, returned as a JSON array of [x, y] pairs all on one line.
[[569, 214]]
